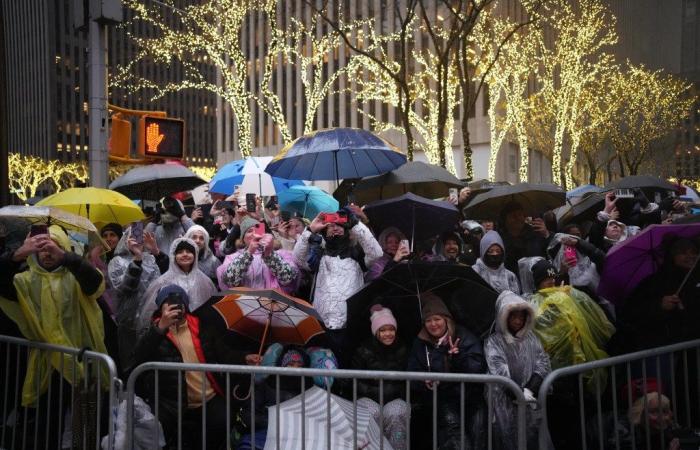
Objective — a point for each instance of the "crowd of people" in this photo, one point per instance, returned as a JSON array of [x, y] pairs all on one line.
[[148, 299]]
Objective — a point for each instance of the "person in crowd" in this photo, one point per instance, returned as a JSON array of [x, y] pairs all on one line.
[[389, 239], [471, 234], [515, 352], [569, 253], [132, 270], [208, 263], [54, 301], [266, 396], [488, 225], [621, 218], [490, 266], [224, 227], [663, 310], [448, 248], [445, 347], [175, 334], [289, 230], [384, 351], [111, 233], [520, 238], [184, 272], [169, 223], [349, 248], [257, 264]]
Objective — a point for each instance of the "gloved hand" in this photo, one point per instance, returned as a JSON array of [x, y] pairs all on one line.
[[640, 198], [172, 206], [530, 398]]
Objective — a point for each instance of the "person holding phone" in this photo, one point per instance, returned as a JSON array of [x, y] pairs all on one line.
[[522, 238], [289, 229], [169, 223], [208, 263], [257, 264], [395, 247], [175, 334]]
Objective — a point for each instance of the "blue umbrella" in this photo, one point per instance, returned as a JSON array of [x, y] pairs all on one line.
[[335, 154], [307, 200], [584, 189], [250, 175]]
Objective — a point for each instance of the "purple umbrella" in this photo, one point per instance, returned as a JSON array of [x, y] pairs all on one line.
[[629, 262]]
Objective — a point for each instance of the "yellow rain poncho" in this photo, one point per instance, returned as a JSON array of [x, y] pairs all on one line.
[[52, 308], [573, 330]]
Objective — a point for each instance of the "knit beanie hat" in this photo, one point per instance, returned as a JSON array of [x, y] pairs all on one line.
[[381, 316], [185, 245], [172, 291], [292, 355], [114, 228], [433, 305], [246, 224], [542, 270]]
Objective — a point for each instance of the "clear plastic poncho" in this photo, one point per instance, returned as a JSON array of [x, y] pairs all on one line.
[[208, 263], [198, 286], [584, 273], [573, 330], [517, 357]]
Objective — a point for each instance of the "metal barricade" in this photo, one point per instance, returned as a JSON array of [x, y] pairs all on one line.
[[310, 406], [604, 412], [73, 393]]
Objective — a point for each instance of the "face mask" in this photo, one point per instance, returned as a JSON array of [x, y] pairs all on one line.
[[168, 218], [493, 261]]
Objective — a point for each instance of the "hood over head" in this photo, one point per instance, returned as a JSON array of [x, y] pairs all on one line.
[[173, 249], [490, 238], [386, 232], [506, 303]]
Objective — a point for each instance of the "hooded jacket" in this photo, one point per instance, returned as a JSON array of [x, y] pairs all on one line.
[[198, 286], [208, 263], [58, 307], [167, 232], [130, 280], [501, 279], [377, 268]]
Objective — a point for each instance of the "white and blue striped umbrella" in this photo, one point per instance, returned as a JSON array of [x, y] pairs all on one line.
[[249, 174]]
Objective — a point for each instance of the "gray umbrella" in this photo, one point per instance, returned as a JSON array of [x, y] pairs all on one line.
[[155, 181], [534, 198], [425, 180]]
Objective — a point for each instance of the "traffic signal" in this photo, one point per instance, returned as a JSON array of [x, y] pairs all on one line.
[[120, 137], [161, 137]]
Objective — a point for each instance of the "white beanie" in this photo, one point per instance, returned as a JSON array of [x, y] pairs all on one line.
[[381, 316]]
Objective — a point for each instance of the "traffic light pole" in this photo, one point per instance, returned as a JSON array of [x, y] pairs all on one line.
[[97, 105]]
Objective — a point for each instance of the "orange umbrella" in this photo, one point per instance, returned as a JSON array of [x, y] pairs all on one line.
[[269, 314]]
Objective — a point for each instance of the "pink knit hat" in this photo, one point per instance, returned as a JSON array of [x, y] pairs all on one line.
[[381, 316]]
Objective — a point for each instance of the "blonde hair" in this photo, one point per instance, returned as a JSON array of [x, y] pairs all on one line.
[[636, 412]]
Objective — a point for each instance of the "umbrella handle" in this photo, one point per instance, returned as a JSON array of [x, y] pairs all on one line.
[[264, 336], [685, 280]]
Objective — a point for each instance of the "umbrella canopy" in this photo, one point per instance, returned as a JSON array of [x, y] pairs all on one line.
[[335, 154], [582, 190], [50, 215], [649, 184], [322, 416], [469, 298], [269, 315], [155, 181], [250, 175], [307, 201], [426, 180], [581, 209], [415, 216], [100, 206], [534, 198], [634, 259]]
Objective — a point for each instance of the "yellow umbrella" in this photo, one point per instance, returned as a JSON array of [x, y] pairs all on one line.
[[100, 206]]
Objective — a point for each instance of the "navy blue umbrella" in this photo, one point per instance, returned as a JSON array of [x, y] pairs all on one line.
[[334, 154], [415, 216]]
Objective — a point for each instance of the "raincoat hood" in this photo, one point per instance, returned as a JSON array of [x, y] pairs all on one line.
[[173, 264], [490, 238], [507, 303], [624, 234], [384, 235], [193, 229]]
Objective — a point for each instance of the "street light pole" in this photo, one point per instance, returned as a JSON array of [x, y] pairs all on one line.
[[97, 105]]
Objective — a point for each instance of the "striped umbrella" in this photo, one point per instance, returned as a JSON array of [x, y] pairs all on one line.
[[269, 315], [319, 420]]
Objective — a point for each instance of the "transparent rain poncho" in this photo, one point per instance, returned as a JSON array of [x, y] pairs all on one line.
[[573, 330], [198, 286], [584, 273], [208, 263], [517, 357]]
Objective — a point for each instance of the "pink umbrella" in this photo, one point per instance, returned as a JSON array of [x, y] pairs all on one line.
[[629, 262]]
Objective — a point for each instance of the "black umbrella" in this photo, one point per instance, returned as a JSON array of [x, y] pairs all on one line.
[[415, 216], [468, 297], [534, 198], [649, 184], [426, 180], [155, 181], [581, 209]]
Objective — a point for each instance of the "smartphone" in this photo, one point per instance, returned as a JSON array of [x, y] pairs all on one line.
[[137, 231], [260, 229], [181, 308], [38, 228], [334, 218], [454, 194], [285, 216], [404, 243], [250, 203], [570, 253]]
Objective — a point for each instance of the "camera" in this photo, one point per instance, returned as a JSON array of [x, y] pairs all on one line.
[[334, 218]]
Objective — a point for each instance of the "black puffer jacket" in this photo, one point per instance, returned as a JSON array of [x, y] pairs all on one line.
[[217, 344], [373, 355]]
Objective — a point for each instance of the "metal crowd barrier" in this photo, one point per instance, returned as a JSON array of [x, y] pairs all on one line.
[[485, 383], [44, 423], [673, 371]]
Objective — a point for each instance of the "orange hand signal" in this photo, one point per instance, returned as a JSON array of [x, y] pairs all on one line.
[[153, 137]]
